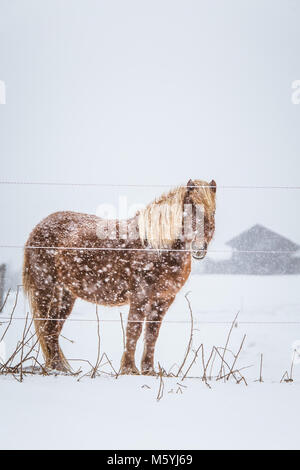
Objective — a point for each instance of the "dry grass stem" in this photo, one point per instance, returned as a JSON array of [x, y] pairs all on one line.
[[5, 300], [227, 342], [160, 393], [260, 370], [191, 336], [123, 332], [236, 357], [193, 361]]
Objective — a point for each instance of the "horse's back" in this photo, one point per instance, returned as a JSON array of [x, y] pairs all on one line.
[[56, 227]]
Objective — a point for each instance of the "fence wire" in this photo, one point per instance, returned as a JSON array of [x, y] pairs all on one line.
[[4, 319], [195, 322], [155, 250], [110, 185]]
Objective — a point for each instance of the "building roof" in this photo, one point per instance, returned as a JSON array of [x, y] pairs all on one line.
[[260, 238]]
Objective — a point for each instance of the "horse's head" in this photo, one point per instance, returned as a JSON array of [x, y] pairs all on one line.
[[199, 212], [186, 213]]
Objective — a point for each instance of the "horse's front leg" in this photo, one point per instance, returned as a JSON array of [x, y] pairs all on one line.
[[133, 332], [153, 324]]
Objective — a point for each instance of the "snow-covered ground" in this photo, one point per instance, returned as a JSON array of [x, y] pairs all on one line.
[[60, 412]]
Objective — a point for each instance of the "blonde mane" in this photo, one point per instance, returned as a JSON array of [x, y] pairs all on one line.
[[160, 223]]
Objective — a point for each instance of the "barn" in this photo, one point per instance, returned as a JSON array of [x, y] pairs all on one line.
[[257, 251]]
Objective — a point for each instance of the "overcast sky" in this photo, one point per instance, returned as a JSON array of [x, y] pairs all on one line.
[[149, 92]]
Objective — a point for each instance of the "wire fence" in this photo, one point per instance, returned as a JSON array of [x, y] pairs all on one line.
[[195, 322], [4, 319], [155, 250], [111, 185]]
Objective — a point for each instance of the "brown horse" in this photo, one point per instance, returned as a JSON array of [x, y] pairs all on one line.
[[143, 262]]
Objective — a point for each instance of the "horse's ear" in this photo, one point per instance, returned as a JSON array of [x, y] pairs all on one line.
[[213, 186], [190, 185]]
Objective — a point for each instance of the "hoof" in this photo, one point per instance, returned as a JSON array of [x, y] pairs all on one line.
[[128, 366], [149, 372], [129, 370], [58, 372], [58, 369]]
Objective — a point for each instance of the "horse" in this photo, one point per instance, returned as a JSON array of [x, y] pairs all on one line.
[[142, 261]]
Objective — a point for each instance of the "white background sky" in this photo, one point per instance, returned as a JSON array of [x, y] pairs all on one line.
[[149, 92]]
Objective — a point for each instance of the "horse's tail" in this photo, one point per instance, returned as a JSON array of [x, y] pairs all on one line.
[[29, 291], [41, 296], [25, 273]]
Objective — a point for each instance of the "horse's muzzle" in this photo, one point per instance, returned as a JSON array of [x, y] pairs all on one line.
[[199, 253]]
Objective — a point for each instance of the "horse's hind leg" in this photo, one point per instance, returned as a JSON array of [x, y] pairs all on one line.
[[153, 324], [50, 312]]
